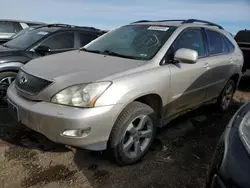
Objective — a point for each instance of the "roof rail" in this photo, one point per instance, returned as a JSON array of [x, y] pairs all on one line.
[[58, 25], [182, 21], [70, 26], [202, 21], [141, 21]]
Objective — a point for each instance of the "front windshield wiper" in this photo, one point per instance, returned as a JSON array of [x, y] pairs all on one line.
[[92, 51], [109, 52]]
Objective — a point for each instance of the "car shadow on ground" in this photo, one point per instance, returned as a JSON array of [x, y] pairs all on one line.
[[179, 156]]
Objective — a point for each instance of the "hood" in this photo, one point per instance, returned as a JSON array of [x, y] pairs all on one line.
[[4, 51], [79, 66]]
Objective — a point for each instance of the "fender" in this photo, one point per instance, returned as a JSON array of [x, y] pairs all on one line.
[[10, 66]]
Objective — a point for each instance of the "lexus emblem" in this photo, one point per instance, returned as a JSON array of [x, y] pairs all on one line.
[[23, 80]]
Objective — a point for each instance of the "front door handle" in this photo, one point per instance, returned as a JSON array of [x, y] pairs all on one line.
[[206, 66]]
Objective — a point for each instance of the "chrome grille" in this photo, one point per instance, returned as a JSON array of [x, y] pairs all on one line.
[[30, 84]]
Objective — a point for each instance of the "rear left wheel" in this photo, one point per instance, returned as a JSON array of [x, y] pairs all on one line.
[[132, 134], [226, 96]]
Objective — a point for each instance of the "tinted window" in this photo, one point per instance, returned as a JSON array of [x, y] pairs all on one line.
[[229, 44], [58, 41], [216, 43], [191, 39], [133, 41], [9, 27], [86, 38]]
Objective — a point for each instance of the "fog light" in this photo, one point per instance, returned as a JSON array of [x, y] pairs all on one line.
[[77, 133]]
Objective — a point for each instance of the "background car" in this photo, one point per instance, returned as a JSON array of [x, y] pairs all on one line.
[[40, 41], [9, 27], [230, 166], [243, 40], [117, 90]]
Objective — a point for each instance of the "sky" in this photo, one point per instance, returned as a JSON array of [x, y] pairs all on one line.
[[233, 15]]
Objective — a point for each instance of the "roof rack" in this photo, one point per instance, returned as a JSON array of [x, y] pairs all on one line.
[[141, 21], [203, 21], [70, 26], [183, 22]]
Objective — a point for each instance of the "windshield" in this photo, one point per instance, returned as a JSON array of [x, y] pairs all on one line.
[[132, 41], [27, 39]]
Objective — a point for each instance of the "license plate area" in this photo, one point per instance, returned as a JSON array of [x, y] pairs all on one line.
[[13, 110]]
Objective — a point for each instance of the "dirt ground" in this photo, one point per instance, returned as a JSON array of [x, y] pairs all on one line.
[[179, 156]]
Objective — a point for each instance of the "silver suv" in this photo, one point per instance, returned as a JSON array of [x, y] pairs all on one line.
[[116, 91]]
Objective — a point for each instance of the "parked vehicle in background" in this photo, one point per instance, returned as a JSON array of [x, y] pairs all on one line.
[[230, 164], [10, 27], [24, 31], [40, 41], [114, 92], [243, 40]]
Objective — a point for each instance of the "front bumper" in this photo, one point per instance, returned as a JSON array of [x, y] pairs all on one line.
[[53, 119]]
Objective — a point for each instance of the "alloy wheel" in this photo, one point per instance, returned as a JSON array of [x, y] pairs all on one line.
[[137, 136], [227, 96]]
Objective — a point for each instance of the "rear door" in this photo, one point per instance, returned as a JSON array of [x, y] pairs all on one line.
[[220, 63], [60, 42], [187, 86]]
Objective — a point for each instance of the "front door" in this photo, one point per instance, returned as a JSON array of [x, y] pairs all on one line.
[[60, 42], [187, 86]]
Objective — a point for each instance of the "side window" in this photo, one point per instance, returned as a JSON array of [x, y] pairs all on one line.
[[86, 38], [9, 27], [191, 39], [229, 44], [216, 43], [63, 40]]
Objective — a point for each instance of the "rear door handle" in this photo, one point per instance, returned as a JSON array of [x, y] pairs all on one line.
[[206, 65]]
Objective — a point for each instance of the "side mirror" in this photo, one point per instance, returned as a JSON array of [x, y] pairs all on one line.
[[185, 55], [42, 49]]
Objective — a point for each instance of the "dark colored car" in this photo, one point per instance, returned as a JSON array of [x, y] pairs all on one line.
[[40, 41], [230, 166], [243, 40], [10, 27]]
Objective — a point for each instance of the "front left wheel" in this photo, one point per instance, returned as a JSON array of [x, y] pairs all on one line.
[[132, 134], [6, 78]]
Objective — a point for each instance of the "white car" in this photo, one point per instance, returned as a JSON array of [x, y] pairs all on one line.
[[10, 27]]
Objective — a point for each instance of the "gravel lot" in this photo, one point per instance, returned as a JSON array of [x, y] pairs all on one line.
[[178, 158]]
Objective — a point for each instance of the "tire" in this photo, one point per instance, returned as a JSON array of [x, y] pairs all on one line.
[[124, 133], [4, 83], [225, 97]]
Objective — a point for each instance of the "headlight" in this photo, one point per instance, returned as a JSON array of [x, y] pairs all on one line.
[[84, 95], [244, 131]]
